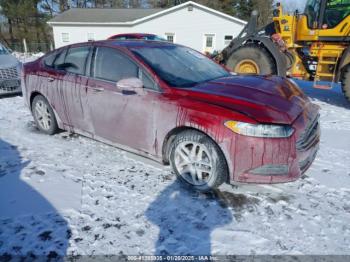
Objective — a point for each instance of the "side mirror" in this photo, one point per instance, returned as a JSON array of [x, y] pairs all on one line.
[[131, 85]]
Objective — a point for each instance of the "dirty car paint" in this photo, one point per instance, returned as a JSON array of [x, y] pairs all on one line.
[[143, 123]]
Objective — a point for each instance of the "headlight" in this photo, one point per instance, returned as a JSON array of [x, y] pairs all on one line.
[[260, 130]]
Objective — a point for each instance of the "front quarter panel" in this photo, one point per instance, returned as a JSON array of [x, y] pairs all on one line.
[[174, 111]]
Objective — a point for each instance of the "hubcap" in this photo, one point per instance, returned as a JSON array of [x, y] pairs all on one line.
[[247, 66], [193, 162], [43, 115]]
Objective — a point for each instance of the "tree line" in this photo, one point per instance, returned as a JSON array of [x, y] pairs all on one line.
[[26, 19]]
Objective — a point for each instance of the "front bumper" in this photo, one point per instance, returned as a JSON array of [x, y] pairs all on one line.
[[277, 160], [10, 86]]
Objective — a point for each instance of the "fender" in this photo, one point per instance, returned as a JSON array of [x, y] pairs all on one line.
[[277, 55]]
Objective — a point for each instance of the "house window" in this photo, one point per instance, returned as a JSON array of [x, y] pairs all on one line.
[[91, 37], [170, 37], [65, 37], [209, 41], [228, 39]]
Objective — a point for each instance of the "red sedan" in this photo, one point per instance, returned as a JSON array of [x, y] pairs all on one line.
[[136, 36], [174, 105]]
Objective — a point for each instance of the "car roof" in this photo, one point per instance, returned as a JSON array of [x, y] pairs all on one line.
[[129, 43], [135, 34]]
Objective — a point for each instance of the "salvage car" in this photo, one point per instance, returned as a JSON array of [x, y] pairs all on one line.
[[172, 104], [9, 72]]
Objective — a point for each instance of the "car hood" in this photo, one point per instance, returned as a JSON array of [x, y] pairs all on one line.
[[266, 99], [7, 61]]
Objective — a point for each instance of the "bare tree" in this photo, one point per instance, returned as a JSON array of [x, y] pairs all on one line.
[[265, 9]]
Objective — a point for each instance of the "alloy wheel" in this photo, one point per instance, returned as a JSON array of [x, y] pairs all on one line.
[[43, 115], [193, 162]]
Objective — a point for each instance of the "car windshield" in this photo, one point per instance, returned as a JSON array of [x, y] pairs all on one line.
[[3, 50], [180, 66]]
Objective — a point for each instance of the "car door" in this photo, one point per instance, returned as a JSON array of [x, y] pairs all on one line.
[[121, 117], [72, 86], [51, 81]]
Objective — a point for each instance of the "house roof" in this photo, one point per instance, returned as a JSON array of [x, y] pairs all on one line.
[[102, 15], [125, 16]]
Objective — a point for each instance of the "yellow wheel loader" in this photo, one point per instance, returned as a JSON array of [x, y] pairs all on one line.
[[313, 45]]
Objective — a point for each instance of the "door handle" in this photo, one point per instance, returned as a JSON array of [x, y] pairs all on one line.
[[50, 79], [97, 89]]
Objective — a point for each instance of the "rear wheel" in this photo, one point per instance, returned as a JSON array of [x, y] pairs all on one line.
[[198, 161], [44, 116], [345, 82], [251, 59]]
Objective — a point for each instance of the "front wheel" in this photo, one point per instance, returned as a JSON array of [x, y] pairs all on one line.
[[198, 161], [345, 82], [44, 116]]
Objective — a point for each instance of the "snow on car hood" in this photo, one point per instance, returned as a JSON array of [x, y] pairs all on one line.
[[7, 61], [263, 98]]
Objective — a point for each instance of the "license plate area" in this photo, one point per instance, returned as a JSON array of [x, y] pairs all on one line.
[[9, 85]]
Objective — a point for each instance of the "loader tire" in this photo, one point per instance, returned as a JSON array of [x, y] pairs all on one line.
[[252, 59], [345, 82]]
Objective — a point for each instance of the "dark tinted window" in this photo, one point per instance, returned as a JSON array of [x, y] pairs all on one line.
[[59, 59], [148, 81], [110, 64], [49, 59], [312, 11], [77, 56], [336, 11], [154, 38]]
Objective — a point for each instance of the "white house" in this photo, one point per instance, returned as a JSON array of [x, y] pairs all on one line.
[[190, 24]]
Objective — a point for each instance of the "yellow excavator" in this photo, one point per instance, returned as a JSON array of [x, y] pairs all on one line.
[[313, 45]]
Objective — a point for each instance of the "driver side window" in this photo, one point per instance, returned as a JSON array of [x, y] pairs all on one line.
[[111, 65]]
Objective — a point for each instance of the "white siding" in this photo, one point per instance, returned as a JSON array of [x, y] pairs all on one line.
[[189, 28]]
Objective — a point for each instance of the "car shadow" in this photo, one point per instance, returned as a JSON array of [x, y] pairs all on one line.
[[186, 220], [333, 96], [29, 224]]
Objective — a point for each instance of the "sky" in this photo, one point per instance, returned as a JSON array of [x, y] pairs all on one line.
[[291, 5]]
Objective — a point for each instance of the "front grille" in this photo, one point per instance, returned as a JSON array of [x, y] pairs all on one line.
[[310, 136], [9, 73], [304, 165], [9, 89]]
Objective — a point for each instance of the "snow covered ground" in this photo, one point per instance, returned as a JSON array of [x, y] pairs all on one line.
[[66, 194]]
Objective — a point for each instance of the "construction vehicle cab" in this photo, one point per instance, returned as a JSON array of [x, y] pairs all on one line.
[[313, 45]]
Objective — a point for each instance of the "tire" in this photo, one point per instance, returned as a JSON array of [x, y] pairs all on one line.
[[252, 59], [44, 116], [345, 82], [214, 170]]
